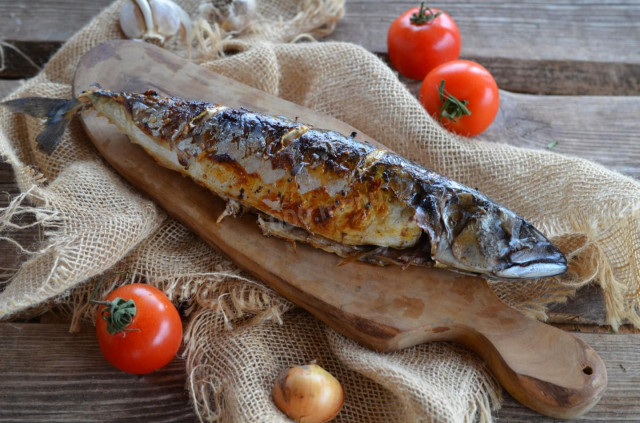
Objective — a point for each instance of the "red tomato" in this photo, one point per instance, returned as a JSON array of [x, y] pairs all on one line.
[[150, 340], [467, 82], [420, 39]]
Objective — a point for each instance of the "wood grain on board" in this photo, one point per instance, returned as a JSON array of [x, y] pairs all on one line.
[[621, 400]]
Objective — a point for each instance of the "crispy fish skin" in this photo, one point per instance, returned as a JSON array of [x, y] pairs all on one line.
[[345, 193], [321, 181]]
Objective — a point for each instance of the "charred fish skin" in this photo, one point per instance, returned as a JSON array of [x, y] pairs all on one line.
[[317, 180], [347, 196]]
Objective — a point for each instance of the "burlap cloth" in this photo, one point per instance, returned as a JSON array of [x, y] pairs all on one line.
[[240, 333]]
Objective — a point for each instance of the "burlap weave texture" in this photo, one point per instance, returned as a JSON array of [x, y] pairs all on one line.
[[241, 333]]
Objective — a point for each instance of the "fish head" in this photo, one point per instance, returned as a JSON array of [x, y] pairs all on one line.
[[479, 236]]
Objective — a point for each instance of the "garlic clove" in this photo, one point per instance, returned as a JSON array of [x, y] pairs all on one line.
[[243, 12], [185, 25], [132, 20], [154, 20], [166, 21], [147, 13]]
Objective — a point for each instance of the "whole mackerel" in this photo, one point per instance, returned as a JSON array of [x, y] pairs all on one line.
[[318, 186]]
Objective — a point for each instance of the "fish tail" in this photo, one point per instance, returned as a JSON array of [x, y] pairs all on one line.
[[57, 111]]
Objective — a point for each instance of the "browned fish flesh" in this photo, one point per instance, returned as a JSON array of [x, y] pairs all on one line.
[[319, 186]]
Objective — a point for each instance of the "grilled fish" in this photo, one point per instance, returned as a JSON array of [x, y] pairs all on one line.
[[318, 186]]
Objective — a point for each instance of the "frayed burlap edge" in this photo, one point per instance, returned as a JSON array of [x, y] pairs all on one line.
[[314, 19]]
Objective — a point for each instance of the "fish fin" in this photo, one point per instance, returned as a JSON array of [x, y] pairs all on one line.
[[57, 111], [233, 208], [39, 107], [360, 256]]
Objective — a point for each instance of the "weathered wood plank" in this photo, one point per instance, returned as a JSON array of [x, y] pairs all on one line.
[[586, 307], [52, 375], [567, 47], [46, 20], [577, 30], [603, 129], [573, 30], [25, 58], [562, 77], [38, 29]]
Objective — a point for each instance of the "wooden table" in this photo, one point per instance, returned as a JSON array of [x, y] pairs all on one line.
[[583, 57]]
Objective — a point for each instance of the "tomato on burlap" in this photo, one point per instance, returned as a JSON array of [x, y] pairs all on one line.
[[462, 95]]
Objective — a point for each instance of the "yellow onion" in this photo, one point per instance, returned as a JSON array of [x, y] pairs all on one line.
[[308, 394]]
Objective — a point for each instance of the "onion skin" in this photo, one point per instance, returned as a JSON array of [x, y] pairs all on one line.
[[308, 394]]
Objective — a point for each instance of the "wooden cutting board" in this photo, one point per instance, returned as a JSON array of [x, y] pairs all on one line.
[[387, 308]]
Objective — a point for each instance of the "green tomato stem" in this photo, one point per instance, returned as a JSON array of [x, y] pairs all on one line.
[[424, 15], [452, 108], [118, 314]]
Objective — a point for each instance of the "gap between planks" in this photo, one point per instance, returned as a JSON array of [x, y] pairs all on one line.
[[35, 358], [567, 30], [603, 129], [532, 47], [559, 48], [49, 374]]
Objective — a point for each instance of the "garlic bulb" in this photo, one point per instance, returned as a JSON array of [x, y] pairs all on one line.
[[231, 15], [156, 21], [308, 394]]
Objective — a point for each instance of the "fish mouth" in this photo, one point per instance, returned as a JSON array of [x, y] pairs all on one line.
[[539, 261]]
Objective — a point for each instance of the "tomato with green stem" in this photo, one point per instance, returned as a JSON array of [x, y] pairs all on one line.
[[462, 95], [139, 330], [421, 39]]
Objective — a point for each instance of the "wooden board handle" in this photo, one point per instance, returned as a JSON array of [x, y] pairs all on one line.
[[544, 368]]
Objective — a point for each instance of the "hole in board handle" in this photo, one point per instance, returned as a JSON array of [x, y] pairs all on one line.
[[587, 370]]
